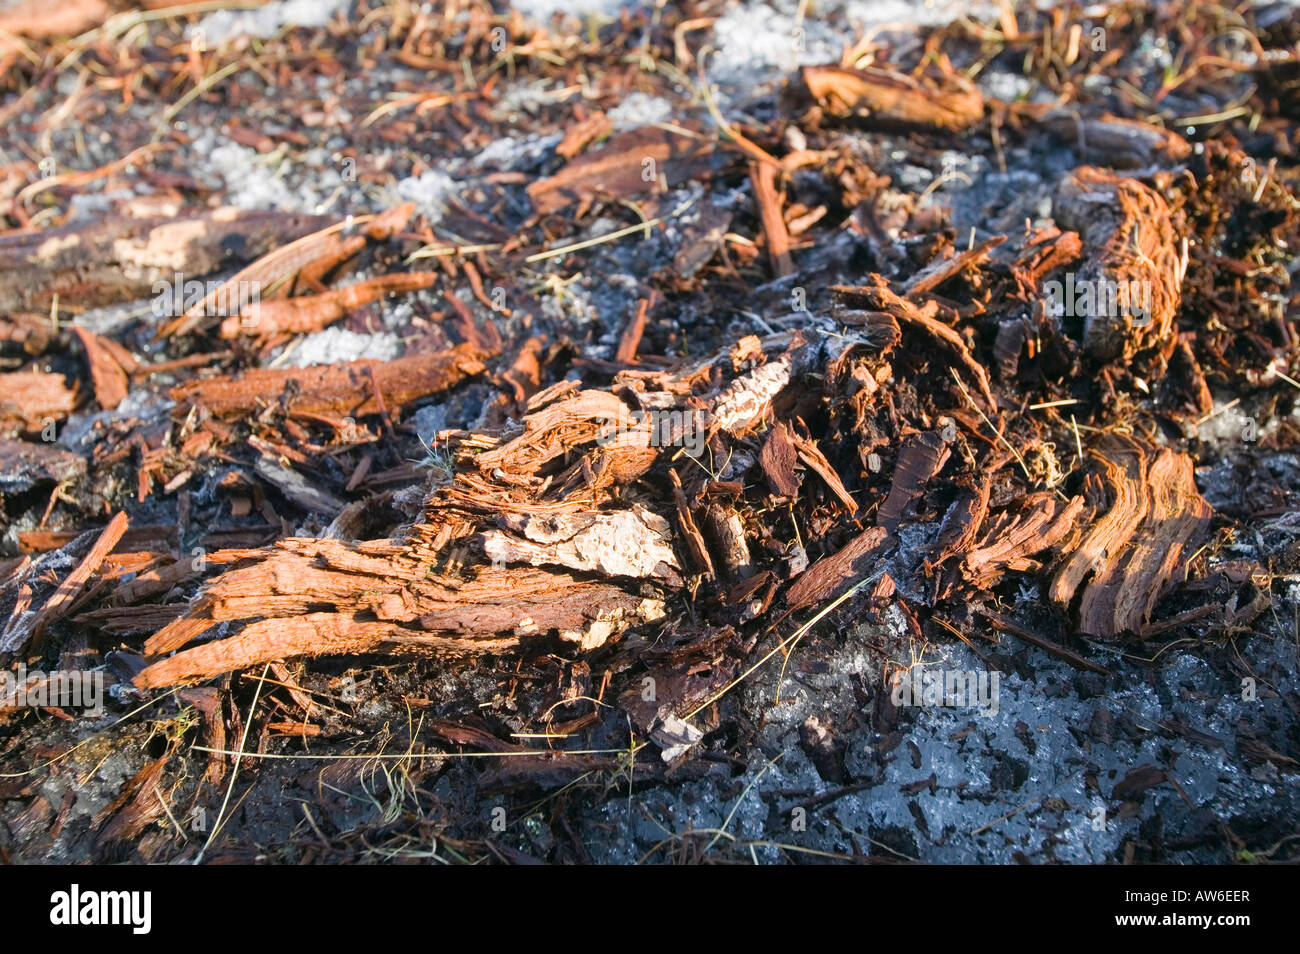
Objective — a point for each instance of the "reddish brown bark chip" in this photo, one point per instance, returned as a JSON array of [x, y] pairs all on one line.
[[921, 458], [1037, 523], [340, 389], [629, 164], [775, 232], [108, 376], [60, 602], [827, 578], [314, 312], [777, 459], [30, 400], [886, 97]]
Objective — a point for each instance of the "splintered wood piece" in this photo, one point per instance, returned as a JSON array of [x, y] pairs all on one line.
[[627, 165], [631, 339], [553, 431], [29, 400], [313, 634], [581, 134], [1101, 549], [587, 614], [816, 461], [107, 375], [312, 597], [139, 805], [942, 269], [763, 177], [962, 522], [312, 313], [828, 578], [121, 259], [1038, 522], [889, 98], [207, 700], [690, 532], [339, 389], [878, 295], [1127, 291], [1176, 521], [61, 600], [727, 532], [920, 459], [274, 266]]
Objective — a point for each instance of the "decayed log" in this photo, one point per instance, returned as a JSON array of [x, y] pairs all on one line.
[[555, 554], [1118, 143], [24, 464], [340, 389], [383, 599], [1129, 286], [887, 97], [1154, 516], [122, 259]]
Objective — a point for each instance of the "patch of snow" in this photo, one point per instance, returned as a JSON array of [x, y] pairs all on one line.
[[223, 25], [638, 109], [428, 191], [920, 12], [251, 182], [543, 10], [335, 345], [507, 154], [753, 41]]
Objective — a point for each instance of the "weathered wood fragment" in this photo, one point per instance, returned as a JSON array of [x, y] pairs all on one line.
[[121, 259], [889, 98], [339, 389]]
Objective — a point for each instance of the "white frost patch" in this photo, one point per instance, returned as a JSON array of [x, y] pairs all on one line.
[[543, 10], [1230, 429], [508, 153], [335, 345], [920, 12], [250, 181], [267, 21], [88, 206], [429, 192], [755, 40], [639, 109]]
